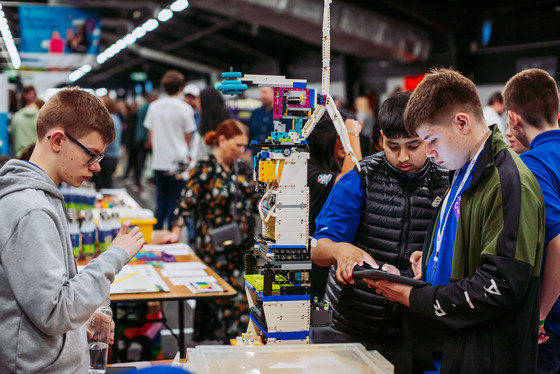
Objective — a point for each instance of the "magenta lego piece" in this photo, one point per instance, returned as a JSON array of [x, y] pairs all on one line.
[[278, 100]]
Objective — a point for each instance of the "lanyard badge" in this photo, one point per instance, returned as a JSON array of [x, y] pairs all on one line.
[[442, 225]]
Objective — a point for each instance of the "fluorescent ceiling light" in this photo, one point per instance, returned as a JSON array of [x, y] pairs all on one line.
[[179, 5], [121, 44], [139, 32], [129, 39], [101, 58], [150, 24], [165, 15], [75, 75], [9, 40], [101, 92]]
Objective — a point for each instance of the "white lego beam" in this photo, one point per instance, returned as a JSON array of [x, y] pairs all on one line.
[[271, 80]]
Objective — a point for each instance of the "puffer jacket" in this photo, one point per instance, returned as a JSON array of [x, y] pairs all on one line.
[[397, 210]]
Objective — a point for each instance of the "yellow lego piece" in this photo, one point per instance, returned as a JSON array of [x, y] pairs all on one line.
[[267, 170]]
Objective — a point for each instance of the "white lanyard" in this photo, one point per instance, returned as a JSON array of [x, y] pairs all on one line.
[[441, 227]]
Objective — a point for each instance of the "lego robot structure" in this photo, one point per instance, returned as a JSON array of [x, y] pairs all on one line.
[[278, 266]]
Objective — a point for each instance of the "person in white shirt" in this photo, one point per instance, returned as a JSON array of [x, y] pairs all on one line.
[[170, 123], [493, 113]]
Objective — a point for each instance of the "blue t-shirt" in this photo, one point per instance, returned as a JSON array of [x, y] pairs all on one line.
[[260, 126], [340, 216], [542, 160], [441, 274]]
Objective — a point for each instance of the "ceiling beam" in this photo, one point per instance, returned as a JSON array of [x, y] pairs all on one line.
[[354, 30], [243, 47], [152, 54], [197, 35], [415, 15], [107, 74]]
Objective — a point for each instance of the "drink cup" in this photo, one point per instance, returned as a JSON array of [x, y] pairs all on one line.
[[99, 332]]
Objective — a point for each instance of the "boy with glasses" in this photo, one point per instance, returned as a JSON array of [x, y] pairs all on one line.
[[44, 303]]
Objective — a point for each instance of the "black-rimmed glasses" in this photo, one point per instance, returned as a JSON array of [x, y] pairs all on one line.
[[94, 158]]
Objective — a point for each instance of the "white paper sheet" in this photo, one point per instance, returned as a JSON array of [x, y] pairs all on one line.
[[138, 279], [185, 280], [184, 273], [176, 266], [175, 249]]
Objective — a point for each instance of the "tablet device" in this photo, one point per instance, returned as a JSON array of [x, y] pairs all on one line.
[[380, 274]]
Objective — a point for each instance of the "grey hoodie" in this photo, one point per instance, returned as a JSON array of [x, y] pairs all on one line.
[[44, 304]]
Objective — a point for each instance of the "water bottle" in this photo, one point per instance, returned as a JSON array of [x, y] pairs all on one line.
[[88, 192], [99, 333], [88, 235], [74, 228], [71, 197], [115, 224], [104, 231]]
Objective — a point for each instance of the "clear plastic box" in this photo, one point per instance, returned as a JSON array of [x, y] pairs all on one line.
[[286, 359]]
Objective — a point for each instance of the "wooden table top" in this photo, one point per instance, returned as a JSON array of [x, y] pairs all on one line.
[[175, 292]]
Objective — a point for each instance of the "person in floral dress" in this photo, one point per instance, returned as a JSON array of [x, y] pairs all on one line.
[[219, 191]]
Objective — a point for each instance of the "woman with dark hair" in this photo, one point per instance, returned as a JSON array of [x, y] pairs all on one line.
[[218, 192], [213, 111], [327, 164]]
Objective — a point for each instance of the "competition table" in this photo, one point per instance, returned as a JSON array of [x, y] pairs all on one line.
[[176, 293]]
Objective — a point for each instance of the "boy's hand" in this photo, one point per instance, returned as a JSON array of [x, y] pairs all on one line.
[[348, 257], [169, 238], [391, 290], [112, 333], [542, 335], [390, 269], [100, 317], [131, 241], [416, 261], [353, 125]]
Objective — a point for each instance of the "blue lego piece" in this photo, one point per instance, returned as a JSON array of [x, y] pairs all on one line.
[[254, 142], [312, 98], [231, 74], [298, 125], [300, 85], [232, 87], [290, 335], [279, 135], [277, 297], [265, 154]]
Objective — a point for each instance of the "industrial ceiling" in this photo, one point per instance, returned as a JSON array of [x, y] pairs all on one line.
[[211, 35]]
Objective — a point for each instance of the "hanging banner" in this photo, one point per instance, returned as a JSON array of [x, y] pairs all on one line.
[[57, 38], [411, 81]]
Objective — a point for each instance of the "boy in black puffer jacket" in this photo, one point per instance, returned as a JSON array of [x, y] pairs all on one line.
[[381, 212]]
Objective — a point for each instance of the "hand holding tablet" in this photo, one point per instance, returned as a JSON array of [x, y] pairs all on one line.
[[360, 273]]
